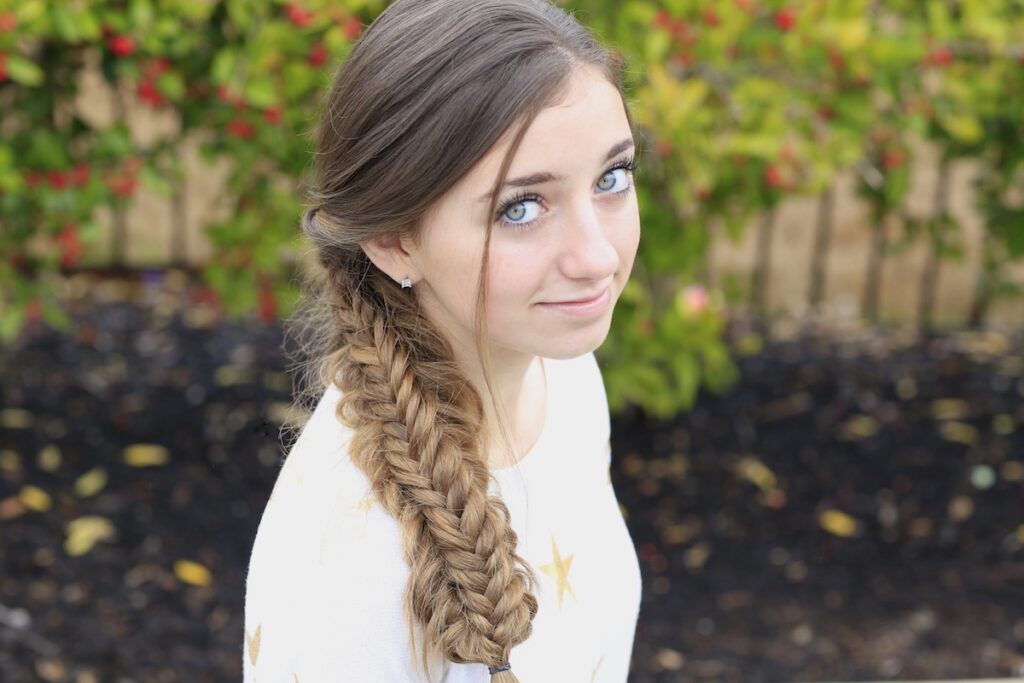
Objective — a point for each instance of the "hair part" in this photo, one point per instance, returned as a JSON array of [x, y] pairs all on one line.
[[427, 90]]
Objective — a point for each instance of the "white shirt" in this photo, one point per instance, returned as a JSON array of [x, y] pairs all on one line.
[[326, 577]]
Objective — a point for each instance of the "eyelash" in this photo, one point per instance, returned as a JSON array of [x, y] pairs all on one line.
[[628, 164]]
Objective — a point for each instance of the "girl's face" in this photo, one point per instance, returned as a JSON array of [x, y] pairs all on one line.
[[566, 228]]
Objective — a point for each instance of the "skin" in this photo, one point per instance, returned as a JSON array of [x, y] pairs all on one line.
[[584, 238]]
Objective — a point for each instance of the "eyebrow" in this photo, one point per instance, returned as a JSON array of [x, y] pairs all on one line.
[[544, 177]]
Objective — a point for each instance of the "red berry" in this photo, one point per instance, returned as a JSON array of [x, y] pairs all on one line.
[[298, 16], [34, 178], [773, 176], [3, 67], [942, 56], [8, 22], [353, 28], [33, 311], [703, 193], [662, 19], [826, 112], [121, 45], [240, 129], [836, 59], [80, 175], [224, 94], [58, 180], [160, 65], [121, 185], [893, 158], [70, 245], [272, 115], [744, 5], [680, 30], [268, 302], [149, 94], [711, 17], [785, 19], [317, 54], [682, 58]]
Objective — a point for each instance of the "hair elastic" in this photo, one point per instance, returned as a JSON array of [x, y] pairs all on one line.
[[501, 667]]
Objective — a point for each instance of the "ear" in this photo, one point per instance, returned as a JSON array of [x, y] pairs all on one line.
[[389, 253]]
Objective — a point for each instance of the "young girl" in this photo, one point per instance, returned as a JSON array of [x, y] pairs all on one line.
[[475, 218]]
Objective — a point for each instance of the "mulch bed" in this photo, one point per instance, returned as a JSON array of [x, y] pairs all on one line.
[[852, 510]]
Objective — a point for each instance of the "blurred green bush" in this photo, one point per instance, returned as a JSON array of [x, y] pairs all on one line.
[[742, 103]]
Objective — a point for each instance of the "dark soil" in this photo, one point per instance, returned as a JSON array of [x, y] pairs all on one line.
[[852, 510]]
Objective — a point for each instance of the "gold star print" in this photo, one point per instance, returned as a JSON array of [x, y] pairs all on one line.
[[254, 645], [559, 571]]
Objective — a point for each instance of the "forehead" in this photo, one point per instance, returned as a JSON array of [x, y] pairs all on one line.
[[570, 136]]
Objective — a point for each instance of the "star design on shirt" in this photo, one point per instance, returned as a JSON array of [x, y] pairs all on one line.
[[596, 667], [254, 644], [559, 571]]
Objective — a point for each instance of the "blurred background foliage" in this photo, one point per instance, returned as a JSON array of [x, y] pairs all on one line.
[[742, 103]]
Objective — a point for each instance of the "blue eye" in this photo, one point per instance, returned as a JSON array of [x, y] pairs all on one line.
[[517, 209], [515, 213], [623, 174]]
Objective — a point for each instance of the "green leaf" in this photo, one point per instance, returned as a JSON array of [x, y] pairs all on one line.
[[63, 22], [223, 66], [23, 71], [141, 12], [154, 181], [260, 92], [172, 84]]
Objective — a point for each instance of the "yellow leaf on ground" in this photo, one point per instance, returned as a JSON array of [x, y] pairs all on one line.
[[192, 572], [84, 532], [34, 498], [755, 471], [10, 461], [959, 432], [91, 483], [49, 458], [838, 523], [15, 418], [145, 455]]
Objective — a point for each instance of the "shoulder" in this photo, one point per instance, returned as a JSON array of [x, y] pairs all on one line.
[[579, 385], [328, 564]]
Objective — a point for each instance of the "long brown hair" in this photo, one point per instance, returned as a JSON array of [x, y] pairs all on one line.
[[426, 91]]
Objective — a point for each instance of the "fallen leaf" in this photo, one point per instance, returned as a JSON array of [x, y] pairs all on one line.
[[91, 483], [838, 523], [191, 572], [15, 418], [959, 432], [145, 455], [49, 458], [755, 471], [84, 532], [34, 498], [949, 409]]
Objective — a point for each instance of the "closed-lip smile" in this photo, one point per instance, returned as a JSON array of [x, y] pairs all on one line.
[[582, 300]]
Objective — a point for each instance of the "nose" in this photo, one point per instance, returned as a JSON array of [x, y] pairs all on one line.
[[588, 254]]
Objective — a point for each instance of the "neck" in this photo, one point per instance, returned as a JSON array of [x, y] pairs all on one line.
[[518, 381]]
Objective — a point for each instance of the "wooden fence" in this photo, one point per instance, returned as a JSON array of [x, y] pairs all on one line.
[[814, 254]]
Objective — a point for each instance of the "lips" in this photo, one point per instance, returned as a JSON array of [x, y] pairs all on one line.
[[583, 300]]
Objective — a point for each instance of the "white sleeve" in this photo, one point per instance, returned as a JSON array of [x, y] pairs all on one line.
[[355, 627]]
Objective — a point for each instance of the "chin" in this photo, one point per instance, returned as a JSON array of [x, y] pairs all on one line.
[[565, 347]]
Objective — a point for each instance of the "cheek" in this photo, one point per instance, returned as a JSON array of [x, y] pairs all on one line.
[[516, 272]]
